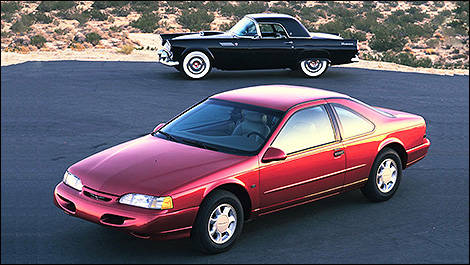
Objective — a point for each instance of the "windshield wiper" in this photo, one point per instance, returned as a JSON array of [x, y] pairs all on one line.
[[200, 144], [169, 136]]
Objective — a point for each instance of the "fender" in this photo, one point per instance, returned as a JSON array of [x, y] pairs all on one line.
[[389, 141], [214, 185], [205, 50]]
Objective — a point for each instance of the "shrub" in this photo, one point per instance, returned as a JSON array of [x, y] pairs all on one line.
[[227, 26], [126, 49], [42, 18], [10, 7], [46, 6], [243, 8], [408, 59], [195, 21], [199, 20], [105, 4], [93, 38], [146, 23], [38, 41], [144, 6], [94, 14], [23, 24], [6, 34]]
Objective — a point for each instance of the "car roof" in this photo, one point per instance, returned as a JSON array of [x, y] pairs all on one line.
[[268, 15], [280, 97]]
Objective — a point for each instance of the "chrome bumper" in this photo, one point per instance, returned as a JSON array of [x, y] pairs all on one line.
[[165, 56], [355, 59]]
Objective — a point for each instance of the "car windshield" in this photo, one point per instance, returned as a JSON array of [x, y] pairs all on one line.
[[244, 27], [223, 126]]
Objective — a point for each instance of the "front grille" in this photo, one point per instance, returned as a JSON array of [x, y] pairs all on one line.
[[96, 197]]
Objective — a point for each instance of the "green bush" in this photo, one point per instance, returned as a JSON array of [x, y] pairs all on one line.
[[42, 18], [94, 14], [195, 21], [387, 38], [23, 24], [144, 6], [46, 6], [147, 23], [243, 8], [10, 7], [105, 4], [408, 59], [38, 41], [93, 38]]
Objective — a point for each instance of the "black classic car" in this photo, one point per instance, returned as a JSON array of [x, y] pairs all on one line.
[[258, 41]]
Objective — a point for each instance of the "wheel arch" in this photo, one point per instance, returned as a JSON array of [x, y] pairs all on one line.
[[203, 50], [397, 146], [238, 189]]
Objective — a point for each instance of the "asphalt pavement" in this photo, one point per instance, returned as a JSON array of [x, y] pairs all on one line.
[[54, 114]]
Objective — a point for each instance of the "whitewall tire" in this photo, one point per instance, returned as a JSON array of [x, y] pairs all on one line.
[[196, 65], [314, 67]]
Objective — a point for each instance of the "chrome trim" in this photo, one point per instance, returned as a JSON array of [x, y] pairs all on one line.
[[314, 179], [355, 59], [308, 196], [164, 57]]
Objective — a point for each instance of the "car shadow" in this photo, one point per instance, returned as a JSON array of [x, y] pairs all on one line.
[[253, 75], [254, 232]]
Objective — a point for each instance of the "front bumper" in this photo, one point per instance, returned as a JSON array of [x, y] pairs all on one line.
[[165, 57], [105, 209]]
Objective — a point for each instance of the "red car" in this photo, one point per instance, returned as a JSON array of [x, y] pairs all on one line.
[[242, 154]]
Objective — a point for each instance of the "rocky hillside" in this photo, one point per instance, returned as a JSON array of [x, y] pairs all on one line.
[[414, 33]]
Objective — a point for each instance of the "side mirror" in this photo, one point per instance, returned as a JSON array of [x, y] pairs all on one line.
[[255, 37], [273, 154], [158, 127]]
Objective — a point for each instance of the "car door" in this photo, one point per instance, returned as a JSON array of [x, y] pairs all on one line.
[[273, 49], [360, 145], [314, 164]]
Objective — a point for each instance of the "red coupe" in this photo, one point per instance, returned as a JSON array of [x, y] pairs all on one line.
[[242, 154]]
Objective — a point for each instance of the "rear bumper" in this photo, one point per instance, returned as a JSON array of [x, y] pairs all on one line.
[[355, 59], [418, 152], [140, 222], [165, 56]]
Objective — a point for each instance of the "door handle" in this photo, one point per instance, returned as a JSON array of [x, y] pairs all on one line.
[[289, 42], [338, 152]]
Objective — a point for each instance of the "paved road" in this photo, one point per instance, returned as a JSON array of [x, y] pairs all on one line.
[[56, 113]]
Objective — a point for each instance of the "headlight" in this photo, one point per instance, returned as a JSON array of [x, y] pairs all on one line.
[[147, 201], [73, 181]]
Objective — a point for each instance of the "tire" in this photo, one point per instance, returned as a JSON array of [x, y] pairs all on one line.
[[196, 65], [387, 167], [202, 238], [314, 67]]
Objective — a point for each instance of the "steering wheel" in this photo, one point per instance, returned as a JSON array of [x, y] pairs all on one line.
[[257, 133]]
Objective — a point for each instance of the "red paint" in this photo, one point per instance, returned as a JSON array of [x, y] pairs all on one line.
[[154, 166]]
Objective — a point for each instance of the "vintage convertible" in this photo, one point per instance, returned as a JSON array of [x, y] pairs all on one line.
[[258, 41]]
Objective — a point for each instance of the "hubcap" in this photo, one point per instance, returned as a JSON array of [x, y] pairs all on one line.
[[222, 223], [386, 175], [313, 65], [196, 65]]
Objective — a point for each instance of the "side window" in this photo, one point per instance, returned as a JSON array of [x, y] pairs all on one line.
[[305, 129], [280, 30], [266, 30], [352, 123], [271, 30]]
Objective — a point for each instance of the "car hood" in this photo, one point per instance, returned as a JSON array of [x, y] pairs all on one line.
[[197, 36], [149, 165]]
